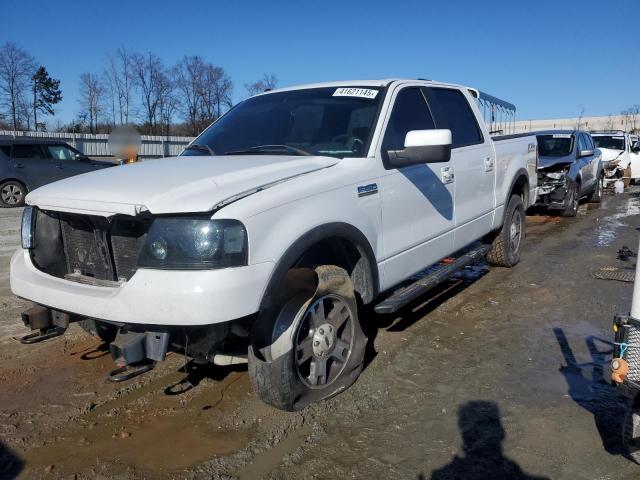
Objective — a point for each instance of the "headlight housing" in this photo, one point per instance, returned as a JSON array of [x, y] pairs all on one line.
[[188, 243], [27, 230]]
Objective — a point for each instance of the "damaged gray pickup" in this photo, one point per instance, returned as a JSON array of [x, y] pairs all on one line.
[[570, 169]]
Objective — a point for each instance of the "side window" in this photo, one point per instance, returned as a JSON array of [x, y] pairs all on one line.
[[6, 150], [410, 112], [27, 151], [60, 152], [582, 143], [589, 140], [451, 110]]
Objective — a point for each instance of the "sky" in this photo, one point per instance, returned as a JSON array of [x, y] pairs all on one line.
[[550, 58]]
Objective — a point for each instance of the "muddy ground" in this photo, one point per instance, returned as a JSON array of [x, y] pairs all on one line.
[[496, 375]]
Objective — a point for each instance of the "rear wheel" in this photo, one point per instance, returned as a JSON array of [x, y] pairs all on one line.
[[314, 347], [102, 330], [506, 246], [596, 196], [12, 194]]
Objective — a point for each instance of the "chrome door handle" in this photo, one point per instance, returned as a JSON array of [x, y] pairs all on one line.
[[488, 164], [447, 174]]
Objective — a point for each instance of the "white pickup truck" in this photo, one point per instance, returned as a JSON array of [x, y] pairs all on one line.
[[274, 228]]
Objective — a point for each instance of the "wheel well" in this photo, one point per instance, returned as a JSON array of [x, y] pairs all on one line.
[[338, 244], [520, 188], [341, 252], [14, 180]]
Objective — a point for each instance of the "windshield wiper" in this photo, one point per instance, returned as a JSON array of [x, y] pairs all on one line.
[[269, 149], [201, 148]]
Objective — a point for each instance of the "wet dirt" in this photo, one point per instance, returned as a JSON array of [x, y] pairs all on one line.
[[498, 370]]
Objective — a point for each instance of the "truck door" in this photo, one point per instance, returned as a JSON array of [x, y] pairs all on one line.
[[472, 160], [418, 200]]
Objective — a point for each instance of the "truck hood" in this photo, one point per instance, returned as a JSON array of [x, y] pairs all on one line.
[[547, 162], [172, 185], [609, 154]]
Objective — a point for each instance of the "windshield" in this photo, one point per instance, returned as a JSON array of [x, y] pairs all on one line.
[[556, 145], [609, 141], [335, 122]]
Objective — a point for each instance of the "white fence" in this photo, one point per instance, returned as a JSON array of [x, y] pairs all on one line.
[[97, 145]]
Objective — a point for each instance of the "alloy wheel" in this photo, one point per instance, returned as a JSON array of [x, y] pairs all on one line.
[[515, 231], [11, 194], [324, 341]]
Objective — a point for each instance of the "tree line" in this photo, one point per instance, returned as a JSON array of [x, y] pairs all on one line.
[[133, 88]]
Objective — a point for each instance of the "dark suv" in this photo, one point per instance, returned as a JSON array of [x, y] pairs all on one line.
[[570, 168], [26, 164]]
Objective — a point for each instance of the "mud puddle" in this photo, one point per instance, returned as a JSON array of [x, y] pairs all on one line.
[[149, 431]]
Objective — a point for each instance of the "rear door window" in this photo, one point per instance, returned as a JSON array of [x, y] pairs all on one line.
[[451, 110], [27, 151], [410, 112], [6, 150]]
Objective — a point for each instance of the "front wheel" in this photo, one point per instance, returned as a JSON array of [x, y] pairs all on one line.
[[315, 345], [596, 196], [572, 201], [506, 246]]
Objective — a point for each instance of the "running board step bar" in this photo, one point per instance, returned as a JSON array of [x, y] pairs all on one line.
[[444, 271]]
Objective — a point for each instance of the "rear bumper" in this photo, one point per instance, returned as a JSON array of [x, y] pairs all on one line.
[[158, 297]]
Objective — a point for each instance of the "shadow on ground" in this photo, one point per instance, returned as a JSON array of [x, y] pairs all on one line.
[[482, 457], [589, 389], [10, 464]]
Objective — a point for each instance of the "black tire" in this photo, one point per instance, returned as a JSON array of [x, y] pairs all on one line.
[[507, 244], [102, 330], [573, 199], [12, 194], [596, 195], [312, 347]]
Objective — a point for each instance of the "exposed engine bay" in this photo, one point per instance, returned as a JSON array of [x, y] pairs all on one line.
[[553, 185]]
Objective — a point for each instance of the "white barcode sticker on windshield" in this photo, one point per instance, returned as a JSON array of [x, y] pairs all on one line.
[[561, 135], [356, 92]]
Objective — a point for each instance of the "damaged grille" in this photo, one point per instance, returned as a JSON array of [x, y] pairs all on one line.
[[92, 247]]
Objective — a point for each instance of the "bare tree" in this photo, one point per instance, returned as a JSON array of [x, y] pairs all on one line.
[[119, 72], [633, 113], [268, 82], [579, 122], [188, 74], [149, 76], [91, 99], [610, 125], [16, 70], [215, 93]]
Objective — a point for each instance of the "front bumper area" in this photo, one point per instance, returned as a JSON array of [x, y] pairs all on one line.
[[157, 297], [552, 194]]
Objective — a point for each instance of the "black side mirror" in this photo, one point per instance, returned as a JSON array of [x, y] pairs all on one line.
[[422, 146], [635, 147]]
